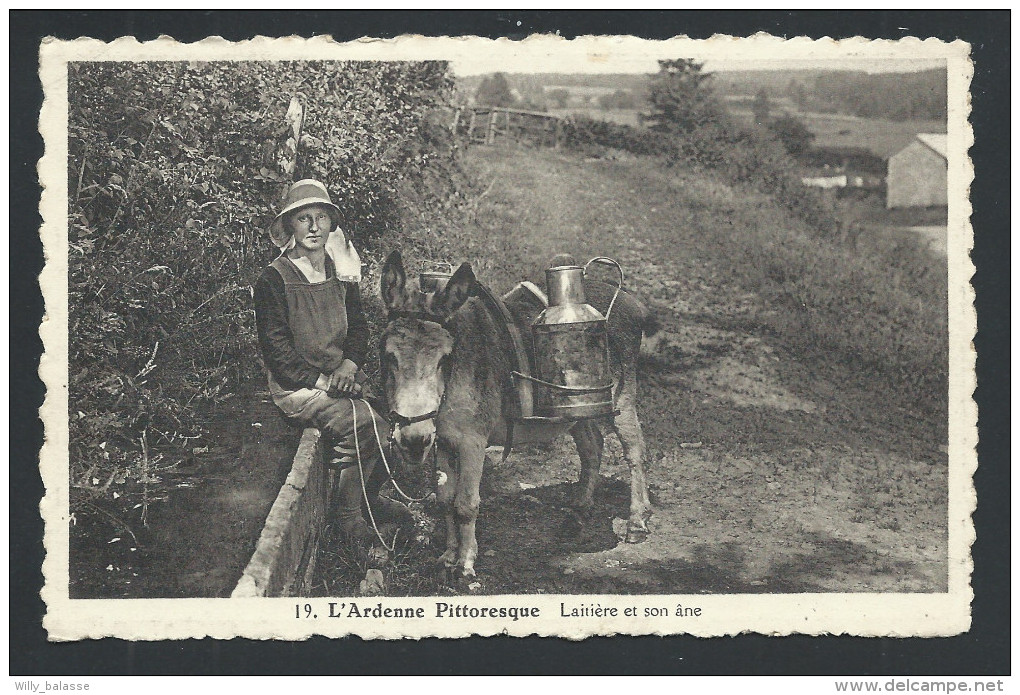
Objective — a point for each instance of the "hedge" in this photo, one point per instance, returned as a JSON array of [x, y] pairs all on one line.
[[173, 172]]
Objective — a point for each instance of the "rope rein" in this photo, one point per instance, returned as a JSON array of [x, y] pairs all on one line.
[[364, 489], [386, 464], [361, 474]]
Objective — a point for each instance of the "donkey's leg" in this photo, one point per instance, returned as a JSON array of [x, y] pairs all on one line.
[[588, 438], [444, 497], [470, 461], [628, 429]]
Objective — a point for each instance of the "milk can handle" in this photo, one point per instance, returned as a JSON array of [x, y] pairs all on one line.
[[434, 264], [608, 261]]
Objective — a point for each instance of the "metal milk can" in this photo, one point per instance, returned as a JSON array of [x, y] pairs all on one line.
[[572, 348], [434, 280]]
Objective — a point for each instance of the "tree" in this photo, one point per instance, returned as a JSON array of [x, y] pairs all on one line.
[[532, 97], [681, 97], [792, 132], [560, 97], [795, 90], [620, 99], [494, 91], [760, 108]]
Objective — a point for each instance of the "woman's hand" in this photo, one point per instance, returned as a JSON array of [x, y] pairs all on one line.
[[342, 379]]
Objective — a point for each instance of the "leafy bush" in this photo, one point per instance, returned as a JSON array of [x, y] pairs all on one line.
[[619, 99], [793, 133], [855, 158], [740, 156], [173, 173], [581, 131]]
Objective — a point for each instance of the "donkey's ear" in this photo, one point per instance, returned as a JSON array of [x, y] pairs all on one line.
[[392, 286], [457, 291]]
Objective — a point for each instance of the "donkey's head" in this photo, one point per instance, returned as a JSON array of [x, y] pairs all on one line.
[[414, 353]]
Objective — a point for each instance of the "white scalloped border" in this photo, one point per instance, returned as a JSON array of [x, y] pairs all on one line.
[[858, 614]]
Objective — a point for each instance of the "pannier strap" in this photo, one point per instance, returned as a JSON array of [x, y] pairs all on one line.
[[510, 333], [558, 387]]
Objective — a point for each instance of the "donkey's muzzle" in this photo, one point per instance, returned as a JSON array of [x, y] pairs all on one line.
[[415, 436], [416, 446]]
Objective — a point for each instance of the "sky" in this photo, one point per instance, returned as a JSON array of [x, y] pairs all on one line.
[[631, 55], [478, 67]]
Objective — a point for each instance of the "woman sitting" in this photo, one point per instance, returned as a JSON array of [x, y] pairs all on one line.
[[314, 338]]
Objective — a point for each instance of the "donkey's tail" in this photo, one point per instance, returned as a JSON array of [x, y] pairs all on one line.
[[650, 324]]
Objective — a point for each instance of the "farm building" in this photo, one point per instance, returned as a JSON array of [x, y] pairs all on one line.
[[918, 174]]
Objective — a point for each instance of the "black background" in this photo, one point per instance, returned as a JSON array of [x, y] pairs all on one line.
[[983, 650]]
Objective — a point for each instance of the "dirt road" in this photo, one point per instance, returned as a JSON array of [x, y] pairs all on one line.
[[767, 475]]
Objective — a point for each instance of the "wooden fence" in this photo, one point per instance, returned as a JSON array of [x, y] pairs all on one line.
[[487, 124]]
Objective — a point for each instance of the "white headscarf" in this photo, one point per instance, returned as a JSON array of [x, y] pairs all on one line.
[[345, 257]]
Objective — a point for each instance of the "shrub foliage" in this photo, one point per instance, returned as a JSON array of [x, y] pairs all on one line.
[[173, 172], [738, 155]]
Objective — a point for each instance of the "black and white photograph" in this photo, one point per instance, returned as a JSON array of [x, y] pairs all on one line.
[[437, 337]]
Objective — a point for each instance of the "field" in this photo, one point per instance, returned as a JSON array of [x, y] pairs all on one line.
[[882, 137], [629, 117]]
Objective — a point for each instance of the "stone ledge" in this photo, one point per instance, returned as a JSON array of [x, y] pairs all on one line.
[[285, 555]]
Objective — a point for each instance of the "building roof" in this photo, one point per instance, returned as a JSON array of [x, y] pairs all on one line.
[[936, 141]]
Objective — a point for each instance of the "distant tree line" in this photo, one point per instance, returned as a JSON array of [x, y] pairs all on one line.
[[531, 94], [896, 96]]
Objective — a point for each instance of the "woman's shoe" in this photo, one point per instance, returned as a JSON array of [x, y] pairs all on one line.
[[386, 509]]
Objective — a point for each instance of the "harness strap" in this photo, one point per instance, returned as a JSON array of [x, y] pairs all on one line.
[[419, 315], [523, 396], [399, 420], [559, 387]]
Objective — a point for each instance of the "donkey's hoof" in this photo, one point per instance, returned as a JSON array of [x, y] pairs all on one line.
[[448, 559], [373, 584], [637, 531], [467, 581], [637, 535]]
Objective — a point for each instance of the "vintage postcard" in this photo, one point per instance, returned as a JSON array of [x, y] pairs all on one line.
[[459, 336]]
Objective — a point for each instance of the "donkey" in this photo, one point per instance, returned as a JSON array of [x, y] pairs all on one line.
[[446, 378]]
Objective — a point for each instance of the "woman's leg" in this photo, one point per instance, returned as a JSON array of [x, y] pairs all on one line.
[[336, 420]]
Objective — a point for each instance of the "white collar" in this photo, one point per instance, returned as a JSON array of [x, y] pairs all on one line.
[[345, 257]]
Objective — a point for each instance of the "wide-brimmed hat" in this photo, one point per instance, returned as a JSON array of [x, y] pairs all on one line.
[[300, 194]]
